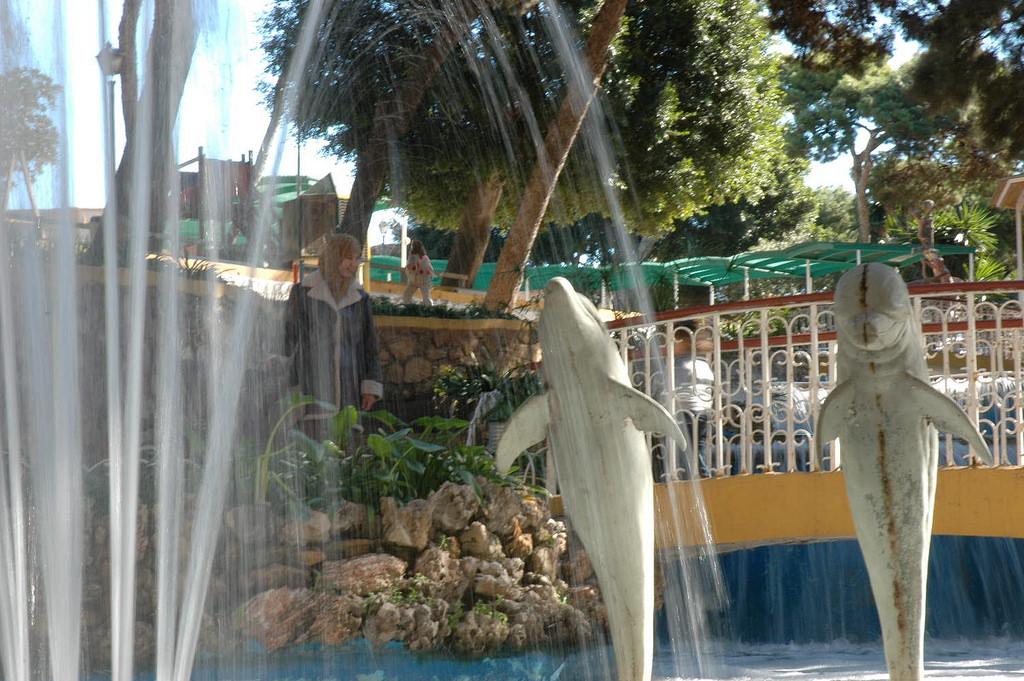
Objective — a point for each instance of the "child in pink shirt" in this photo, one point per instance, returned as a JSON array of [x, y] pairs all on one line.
[[418, 273]]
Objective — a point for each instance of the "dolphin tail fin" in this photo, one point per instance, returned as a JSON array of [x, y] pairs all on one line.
[[947, 416], [646, 413], [832, 418], [527, 426]]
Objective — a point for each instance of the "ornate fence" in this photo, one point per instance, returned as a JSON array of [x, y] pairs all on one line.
[[765, 366]]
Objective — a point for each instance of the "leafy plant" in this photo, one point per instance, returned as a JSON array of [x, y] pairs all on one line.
[[390, 308], [459, 389], [490, 609], [399, 460], [342, 423]]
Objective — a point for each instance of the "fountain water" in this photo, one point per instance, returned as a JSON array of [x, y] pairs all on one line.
[[118, 376], [124, 384]]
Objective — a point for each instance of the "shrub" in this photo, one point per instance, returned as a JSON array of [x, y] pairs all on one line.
[[405, 461]]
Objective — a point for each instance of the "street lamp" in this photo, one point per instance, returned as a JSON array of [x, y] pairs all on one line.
[[111, 61]]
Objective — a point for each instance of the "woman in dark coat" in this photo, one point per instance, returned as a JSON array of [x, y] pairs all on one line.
[[330, 335]]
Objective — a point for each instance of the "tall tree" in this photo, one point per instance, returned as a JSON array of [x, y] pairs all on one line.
[[836, 112], [972, 50], [509, 270], [365, 82], [786, 207], [694, 93], [951, 167], [675, 154], [464, 162], [28, 138], [147, 169]]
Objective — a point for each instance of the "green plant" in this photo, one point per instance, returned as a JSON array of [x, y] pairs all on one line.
[[342, 422], [411, 595], [491, 609], [399, 460], [388, 307], [456, 615], [409, 462], [194, 268], [459, 389]]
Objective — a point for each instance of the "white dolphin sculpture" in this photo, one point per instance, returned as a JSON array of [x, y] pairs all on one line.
[[885, 415], [593, 420]]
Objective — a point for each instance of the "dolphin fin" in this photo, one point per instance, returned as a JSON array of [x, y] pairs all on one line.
[[946, 415], [647, 414], [527, 426], [831, 422]]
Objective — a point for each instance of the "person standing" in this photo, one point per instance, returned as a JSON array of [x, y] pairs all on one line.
[[330, 334], [418, 273]]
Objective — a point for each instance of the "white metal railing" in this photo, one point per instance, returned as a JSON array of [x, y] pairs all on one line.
[[771, 363]]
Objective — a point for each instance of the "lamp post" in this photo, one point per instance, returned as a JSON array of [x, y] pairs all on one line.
[[111, 62]]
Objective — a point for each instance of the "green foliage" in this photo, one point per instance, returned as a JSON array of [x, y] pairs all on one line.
[[294, 404], [693, 87], [988, 269], [26, 130], [786, 207], [749, 325], [399, 460], [456, 615], [967, 225], [410, 595], [491, 609], [389, 307], [458, 389], [971, 52], [831, 108]]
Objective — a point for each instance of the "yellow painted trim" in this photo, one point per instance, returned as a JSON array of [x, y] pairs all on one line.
[[787, 508], [91, 274], [444, 294], [447, 324]]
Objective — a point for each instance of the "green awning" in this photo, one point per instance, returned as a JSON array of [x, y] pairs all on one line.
[[816, 258]]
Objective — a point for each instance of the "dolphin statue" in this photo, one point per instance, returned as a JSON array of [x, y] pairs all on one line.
[[885, 415], [593, 419]]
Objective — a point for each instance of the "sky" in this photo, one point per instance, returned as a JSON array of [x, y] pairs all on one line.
[[221, 110]]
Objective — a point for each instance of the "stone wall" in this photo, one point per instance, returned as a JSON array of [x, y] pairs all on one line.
[[413, 352], [415, 349]]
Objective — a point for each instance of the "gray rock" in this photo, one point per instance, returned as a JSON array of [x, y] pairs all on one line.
[[453, 506], [480, 542], [364, 574], [479, 634], [407, 526]]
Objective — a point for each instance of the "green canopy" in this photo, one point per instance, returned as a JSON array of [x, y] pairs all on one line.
[[812, 258]]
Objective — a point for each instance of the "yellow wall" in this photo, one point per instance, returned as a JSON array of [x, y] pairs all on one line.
[[777, 508]]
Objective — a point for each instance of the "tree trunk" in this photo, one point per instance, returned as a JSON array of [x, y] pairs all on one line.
[[126, 43], [862, 164], [284, 99], [474, 231], [147, 175], [392, 117], [510, 269]]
